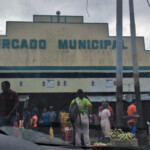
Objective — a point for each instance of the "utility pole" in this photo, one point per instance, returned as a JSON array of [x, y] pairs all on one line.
[[135, 65], [119, 84]]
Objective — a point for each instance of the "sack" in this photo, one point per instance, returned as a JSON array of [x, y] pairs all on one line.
[[73, 112]]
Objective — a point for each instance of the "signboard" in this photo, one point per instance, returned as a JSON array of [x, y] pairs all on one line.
[[50, 83], [109, 83]]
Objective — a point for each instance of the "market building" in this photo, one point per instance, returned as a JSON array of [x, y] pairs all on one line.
[[53, 56]]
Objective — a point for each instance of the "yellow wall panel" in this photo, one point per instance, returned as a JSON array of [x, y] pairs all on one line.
[[99, 49]]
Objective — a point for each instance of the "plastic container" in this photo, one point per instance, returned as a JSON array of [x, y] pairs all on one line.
[[68, 134]]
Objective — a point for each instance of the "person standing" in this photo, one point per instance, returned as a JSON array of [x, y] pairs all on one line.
[[34, 120], [9, 102], [26, 118], [109, 107], [52, 118], [105, 123], [82, 120], [132, 111], [98, 129], [111, 119], [45, 122]]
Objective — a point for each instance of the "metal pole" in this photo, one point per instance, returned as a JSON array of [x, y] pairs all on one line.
[[119, 87], [135, 65]]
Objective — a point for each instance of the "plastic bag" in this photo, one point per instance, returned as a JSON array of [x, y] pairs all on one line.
[[51, 133], [134, 129]]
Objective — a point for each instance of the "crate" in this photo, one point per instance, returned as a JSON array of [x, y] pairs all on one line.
[[64, 117], [117, 142], [64, 122]]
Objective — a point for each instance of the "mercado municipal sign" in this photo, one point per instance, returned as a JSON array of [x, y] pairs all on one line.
[[62, 44], [88, 44]]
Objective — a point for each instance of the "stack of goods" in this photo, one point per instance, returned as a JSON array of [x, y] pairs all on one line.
[[120, 138], [119, 134], [64, 121]]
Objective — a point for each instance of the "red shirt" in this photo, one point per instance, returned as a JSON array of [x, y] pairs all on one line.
[[131, 111], [110, 109], [8, 101]]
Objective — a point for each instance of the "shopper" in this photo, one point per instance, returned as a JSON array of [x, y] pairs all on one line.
[[34, 120], [9, 102], [45, 122], [97, 127], [112, 115], [26, 118], [52, 116], [132, 111], [111, 119], [82, 120], [105, 123]]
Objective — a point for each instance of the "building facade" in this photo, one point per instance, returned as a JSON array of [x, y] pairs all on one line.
[[60, 54]]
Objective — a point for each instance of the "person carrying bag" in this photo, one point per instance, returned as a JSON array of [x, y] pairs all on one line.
[[81, 122]]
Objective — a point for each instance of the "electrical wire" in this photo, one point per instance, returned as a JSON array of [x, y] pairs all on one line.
[[87, 3], [148, 3]]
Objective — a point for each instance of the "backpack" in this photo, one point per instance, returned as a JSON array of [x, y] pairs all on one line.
[[73, 112]]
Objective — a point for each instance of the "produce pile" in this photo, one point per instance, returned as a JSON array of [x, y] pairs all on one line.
[[117, 135], [96, 143], [120, 135], [99, 144]]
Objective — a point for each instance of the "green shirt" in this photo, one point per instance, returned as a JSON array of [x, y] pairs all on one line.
[[82, 104]]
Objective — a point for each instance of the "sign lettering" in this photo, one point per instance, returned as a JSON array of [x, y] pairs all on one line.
[[88, 44], [22, 44]]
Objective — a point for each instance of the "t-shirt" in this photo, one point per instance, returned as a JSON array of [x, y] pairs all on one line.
[[52, 116], [45, 119], [109, 107], [104, 114], [131, 111], [8, 101], [34, 120], [82, 104]]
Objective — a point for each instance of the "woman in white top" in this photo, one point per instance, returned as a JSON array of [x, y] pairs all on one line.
[[105, 123]]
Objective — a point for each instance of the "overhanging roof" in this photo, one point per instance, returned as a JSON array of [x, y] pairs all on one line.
[[112, 98], [102, 98]]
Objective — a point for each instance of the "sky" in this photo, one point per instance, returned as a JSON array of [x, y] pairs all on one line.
[[94, 11]]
